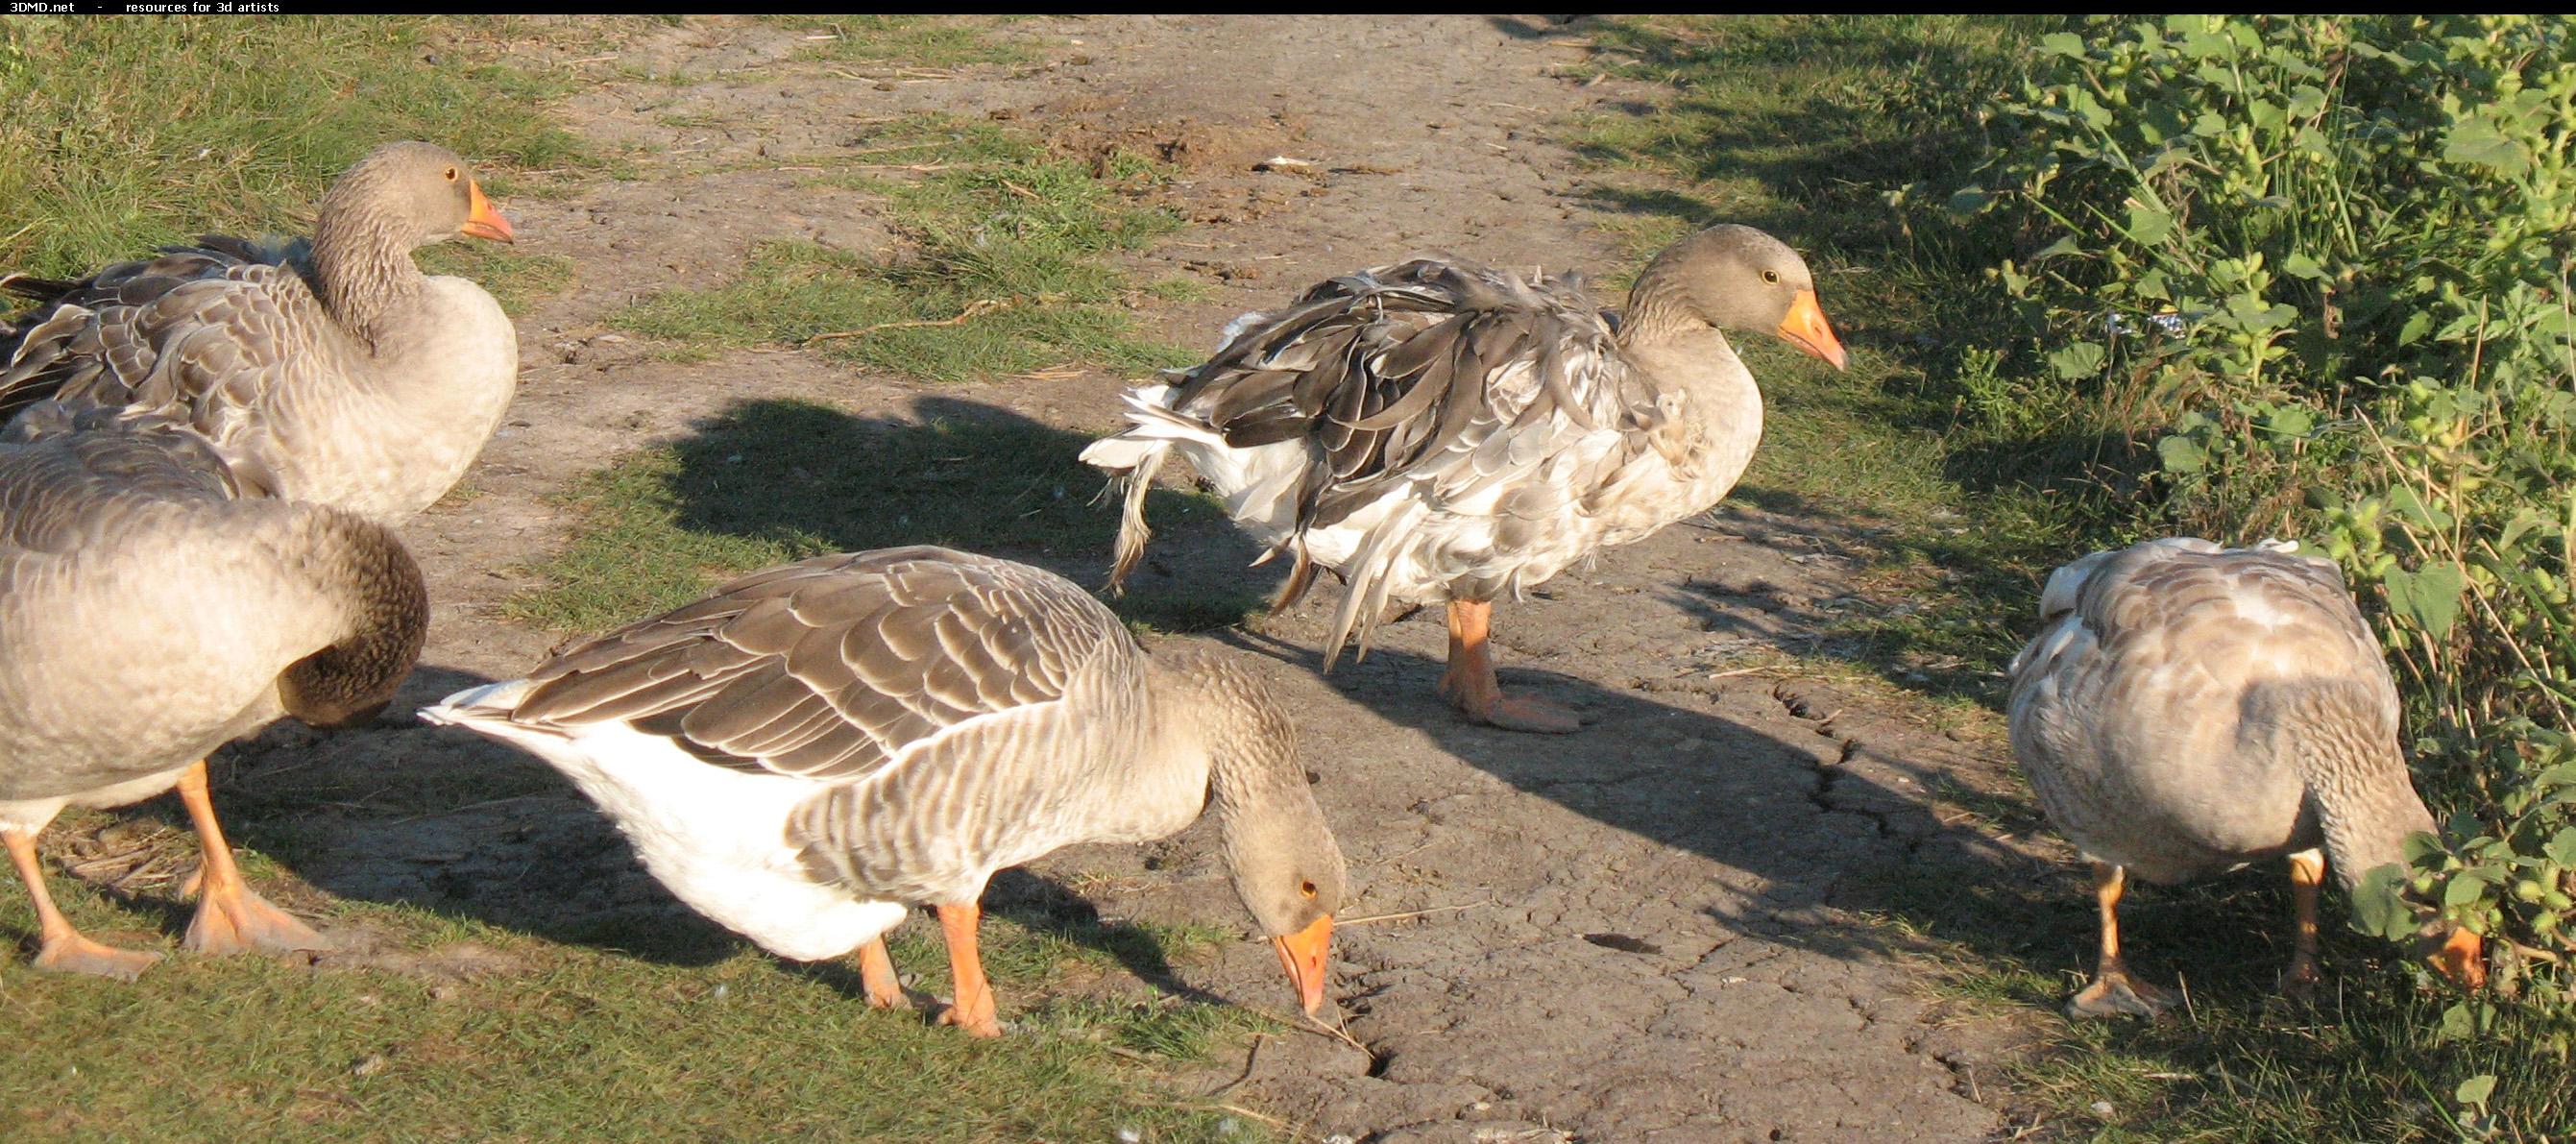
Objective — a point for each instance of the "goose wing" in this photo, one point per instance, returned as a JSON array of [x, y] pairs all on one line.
[[828, 668], [136, 283], [201, 336], [1438, 372]]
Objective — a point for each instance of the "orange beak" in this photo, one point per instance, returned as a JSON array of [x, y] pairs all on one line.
[[2462, 959], [485, 221], [1303, 954], [1807, 329]]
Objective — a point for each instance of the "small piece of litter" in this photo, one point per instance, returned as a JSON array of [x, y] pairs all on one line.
[[2101, 1108], [721, 990], [1228, 1127], [1338, 1138], [375, 1063], [1130, 1136]]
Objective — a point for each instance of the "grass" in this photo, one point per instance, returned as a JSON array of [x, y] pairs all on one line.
[[1006, 271], [773, 481], [126, 134], [1976, 484], [580, 1043], [915, 41]]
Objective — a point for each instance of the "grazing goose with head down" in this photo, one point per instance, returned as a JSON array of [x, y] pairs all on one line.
[[2191, 709], [805, 751], [149, 614], [1442, 431], [333, 372]]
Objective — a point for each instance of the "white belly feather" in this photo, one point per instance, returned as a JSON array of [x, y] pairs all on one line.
[[715, 837]]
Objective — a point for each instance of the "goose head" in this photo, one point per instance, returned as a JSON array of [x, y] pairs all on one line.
[[411, 195], [358, 564], [1285, 864], [1737, 278]]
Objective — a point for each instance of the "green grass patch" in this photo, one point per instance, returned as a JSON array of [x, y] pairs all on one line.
[[514, 279], [572, 1044], [773, 481], [127, 134], [914, 41], [1007, 271]]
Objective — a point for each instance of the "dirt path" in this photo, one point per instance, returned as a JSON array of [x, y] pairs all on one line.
[[1641, 933]]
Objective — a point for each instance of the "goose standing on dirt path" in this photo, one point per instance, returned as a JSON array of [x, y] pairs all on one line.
[[2190, 710], [337, 373], [1441, 431], [813, 746], [148, 614]]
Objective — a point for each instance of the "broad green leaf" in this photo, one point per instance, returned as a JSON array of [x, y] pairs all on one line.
[[2147, 225], [2301, 265], [2081, 360], [2066, 44], [2474, 1091], [2379, 906], [2464, 890], [2478, 141], [2430, 596], [2562, 848], [2181, 455]]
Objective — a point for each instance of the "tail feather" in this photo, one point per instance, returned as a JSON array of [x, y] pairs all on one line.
[[1133, 532], [1364, 596]]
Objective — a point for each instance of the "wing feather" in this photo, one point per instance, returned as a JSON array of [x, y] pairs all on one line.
[[829, 668]]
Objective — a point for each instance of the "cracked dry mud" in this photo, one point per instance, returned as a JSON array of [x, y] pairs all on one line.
[[1648, 931]]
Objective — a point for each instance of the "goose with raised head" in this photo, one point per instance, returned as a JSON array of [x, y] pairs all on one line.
[[148, 614], [332, 371], [1446, 432], [2188, 709], [813, 747]]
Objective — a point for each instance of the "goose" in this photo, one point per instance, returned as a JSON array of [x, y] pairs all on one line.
[[1442, 431], [333, 372], [149, 613], [807, 751], [2188, 709]]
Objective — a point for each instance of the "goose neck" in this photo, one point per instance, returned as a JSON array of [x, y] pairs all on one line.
[[365, 269], [362, 568]]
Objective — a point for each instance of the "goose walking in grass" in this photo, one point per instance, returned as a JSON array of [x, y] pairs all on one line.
[[806, 751], [1445, 432], [2189, 710], [333, 371], [148, 614]]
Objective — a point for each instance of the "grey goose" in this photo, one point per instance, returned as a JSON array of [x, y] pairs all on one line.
[[332, 371], [811, 748], [2189, 709], [1446, 432], [149, 613]]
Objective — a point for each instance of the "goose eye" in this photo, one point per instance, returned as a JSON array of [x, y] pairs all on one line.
[[1771, 276], [1307, 889], [451, 174]]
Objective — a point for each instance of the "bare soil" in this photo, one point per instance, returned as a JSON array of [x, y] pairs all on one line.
[[1655, 930]]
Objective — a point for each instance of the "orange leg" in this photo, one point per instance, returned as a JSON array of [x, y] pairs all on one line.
[[876, 968], [1470, 683], [230, 918], [2113, 990], [59, 947], [973, 1008], [2307, 876]]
